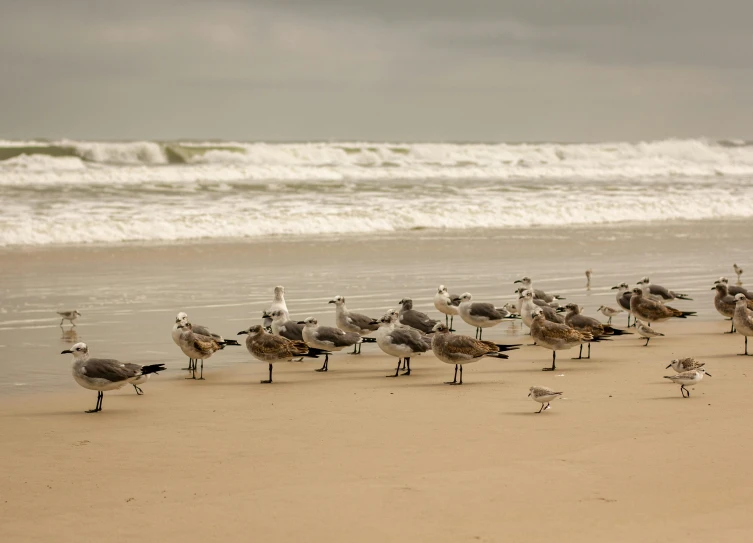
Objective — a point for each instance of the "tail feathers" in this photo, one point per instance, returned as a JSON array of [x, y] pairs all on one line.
[[682, 297], [615, 331], [597, 339], [313, 352], [503, 348], [561, 310], [152, 368], [368, 340], [497, 355], [685, 314], [231, 342]]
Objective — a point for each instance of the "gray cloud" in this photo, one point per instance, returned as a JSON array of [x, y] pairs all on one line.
[[431, 69]]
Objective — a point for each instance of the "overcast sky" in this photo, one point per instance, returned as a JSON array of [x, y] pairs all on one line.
[[408, 70]]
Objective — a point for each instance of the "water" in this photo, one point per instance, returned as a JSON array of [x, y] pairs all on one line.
[[70, 192]]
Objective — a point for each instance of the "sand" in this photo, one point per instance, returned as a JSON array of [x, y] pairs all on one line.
[[353, 455]]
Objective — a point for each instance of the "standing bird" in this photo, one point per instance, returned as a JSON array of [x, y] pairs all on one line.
[[415, 319], [400, 341], [686, 364], [583, 323], [348, 321], [555, 336], [623, 298], [182, 318], [459, 350], [610, 312], [447, 304], [198, 347], [103, 374], [528, 304], [327, 338], [660, 293], [588, 278], [543, 395], [646, 331], [651, 311], [278, 303], [735, 289], [739, 272], [283, 327], [687, 379], [268, 348], [480, 314], [69, 316], [743, 319], [540, 294], [725, 303]]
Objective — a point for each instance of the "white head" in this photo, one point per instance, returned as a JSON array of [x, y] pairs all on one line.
[[740, 297], [276, 315], [279, 291], [440, 328], [723, 280], [442, 289], [527, 294], [465, 297], [537, 313], [310, 322], [338, 300], [181, 317], [392, 314], [644, 281], [526, 281], [79, 351], [75, 312]]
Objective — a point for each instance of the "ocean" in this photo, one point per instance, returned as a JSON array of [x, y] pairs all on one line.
[[82, 192]]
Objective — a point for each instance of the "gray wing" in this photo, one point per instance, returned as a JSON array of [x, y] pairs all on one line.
[[336, 336], [483, 309], [625, 300], [416, 319], [110, 370], [411, 338], [204, 331], [552, 316], [454, 299], [362, 321], [660, 291], [583, 321], [292, 330]]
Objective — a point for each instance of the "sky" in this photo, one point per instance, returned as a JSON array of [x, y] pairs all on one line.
[[378, 70]]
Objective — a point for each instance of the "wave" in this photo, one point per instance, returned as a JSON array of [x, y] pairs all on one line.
[[145, 162]]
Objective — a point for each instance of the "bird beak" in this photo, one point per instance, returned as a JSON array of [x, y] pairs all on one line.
[[242, 333], [518, 281], [67, 352], [303, 322], [529, 394], [713, 288], [707, 373], [668, 367], [615, 288], [331, 302]]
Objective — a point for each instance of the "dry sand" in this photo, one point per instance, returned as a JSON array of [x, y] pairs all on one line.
[[352, 455]]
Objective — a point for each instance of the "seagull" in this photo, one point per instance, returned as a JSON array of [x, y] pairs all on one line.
[[270, 348], [480, 314], [735, 289], [623, 298], [182, 318], [347, 321], [651, 311], [687, 378], [327, 338], [415, 319], [197, 347], [278, 302], [540, 294], [739, 272], [446, 303], [555, 336], [582, 323], [283, 327], [610, 312], [686, 364], [646, 331], [743, 319], [527, 304], [660, 293], [725, 304], [543, 395], [459, 350], [103, 374], [69, 316], [400, 341]]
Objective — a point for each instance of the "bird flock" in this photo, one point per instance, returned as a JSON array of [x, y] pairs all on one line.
[[406, 332]]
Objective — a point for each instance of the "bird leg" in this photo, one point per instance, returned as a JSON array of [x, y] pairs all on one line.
[[201, 375], [647, 340], [61, 322], [452, 318], [407, 365], [397, 369], [746, 349], [732, 329], [454, 379], [540, 410], [324, 366], [270, 376], [190, 363], [580, 353], [554, 357], [98, 407], [589, 351], [480, 333], [192, 369], [609, 320], [138, 390]]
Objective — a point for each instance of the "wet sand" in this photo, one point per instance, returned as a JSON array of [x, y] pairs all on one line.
[[352, 454]]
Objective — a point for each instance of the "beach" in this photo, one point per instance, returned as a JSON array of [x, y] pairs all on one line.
[[351, 454]]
